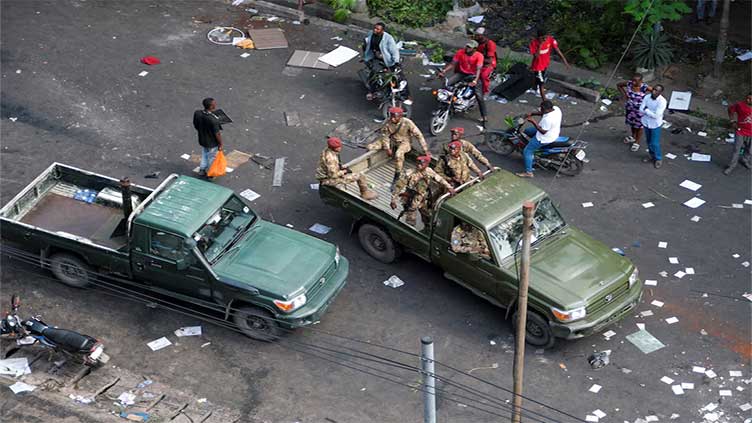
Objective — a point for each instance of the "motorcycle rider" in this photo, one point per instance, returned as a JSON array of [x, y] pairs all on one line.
[[544, 132], [380, 51], [468, 64], [467, 147], [487, 48]]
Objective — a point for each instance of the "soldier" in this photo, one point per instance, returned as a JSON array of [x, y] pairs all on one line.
[[456, 165], [468, 147], [398, 132], [330, 171], [469, 239], [417, 191]]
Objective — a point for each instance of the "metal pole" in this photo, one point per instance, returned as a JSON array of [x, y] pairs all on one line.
[[429, 382], [528, 209]]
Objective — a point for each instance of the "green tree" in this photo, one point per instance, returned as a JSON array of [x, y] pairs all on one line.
[[661, 10]]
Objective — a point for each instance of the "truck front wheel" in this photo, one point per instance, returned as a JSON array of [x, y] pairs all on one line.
[[70, 270], [377, 243], [537, 331], [256, 323]]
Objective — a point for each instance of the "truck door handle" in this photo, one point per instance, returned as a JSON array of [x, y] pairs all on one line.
[[155, 264], [140, 267], [27, 235]]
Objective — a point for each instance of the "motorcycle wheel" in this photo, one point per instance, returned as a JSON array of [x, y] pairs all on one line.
[[439, 121], [499, 144], [571, 167], [408, 108]]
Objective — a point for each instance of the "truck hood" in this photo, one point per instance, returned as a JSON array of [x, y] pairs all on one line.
[[572, 268], [278, 261]]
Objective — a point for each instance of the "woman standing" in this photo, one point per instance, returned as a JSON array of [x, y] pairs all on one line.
[[633, 92]]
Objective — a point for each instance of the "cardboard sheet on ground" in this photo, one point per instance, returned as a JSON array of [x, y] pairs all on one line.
[[15, 366], [307, 59], [338, 56], [694, 202], [646, 342], [680, 100], [270, 38]]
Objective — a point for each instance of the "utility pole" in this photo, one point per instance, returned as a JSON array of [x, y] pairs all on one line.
[[528, 210], [429, 382]]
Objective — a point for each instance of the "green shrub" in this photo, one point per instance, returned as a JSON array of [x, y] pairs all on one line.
[[652, 50], [412, 13], [342, 9]]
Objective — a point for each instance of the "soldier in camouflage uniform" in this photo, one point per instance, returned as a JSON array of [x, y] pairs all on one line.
[[456, 166], [398, 132], [414, 191], [469, 239], [330, 172], [468, 147]]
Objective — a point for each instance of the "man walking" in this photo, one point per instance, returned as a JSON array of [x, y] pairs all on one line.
[[544, 132], [209, 131], [330, 171], [487, 48], [652, 109], [540, 48], [468, 64], [743, 133]]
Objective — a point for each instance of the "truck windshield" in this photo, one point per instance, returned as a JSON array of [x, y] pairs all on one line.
[[224, 228], [506, 236]]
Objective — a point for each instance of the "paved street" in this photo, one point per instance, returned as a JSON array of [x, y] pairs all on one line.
[[70, 77]]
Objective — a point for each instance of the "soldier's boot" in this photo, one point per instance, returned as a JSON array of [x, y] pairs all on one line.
[[366, 193], [394, 181]]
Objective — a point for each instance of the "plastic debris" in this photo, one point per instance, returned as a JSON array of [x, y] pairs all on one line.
[[20, 387], [320, 229], [188, 331], [394, 282], [600, 359], [158, 344], [127, 398]]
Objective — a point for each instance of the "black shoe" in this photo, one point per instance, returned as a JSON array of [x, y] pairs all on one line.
[[747, 165], [657, 164], [394, 181]]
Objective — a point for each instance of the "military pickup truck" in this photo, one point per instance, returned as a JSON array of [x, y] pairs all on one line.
[[188, 239], [578, 286]]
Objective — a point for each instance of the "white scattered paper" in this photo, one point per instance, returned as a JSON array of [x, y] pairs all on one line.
[[680, 274], [689, 270], [588, 204], [672, 320], [702, 134], [651, 282], [711, 417], [667, 380], [590, 418], [694, 203], [657, 303], [188, 331], [315, 187], [692, 186], [646, 313], [724, 392], [651, 418], [648, 205], [695, 218], [735, 373], [697, 157], [609, 334], [745, 407], [320, 229], [698, 369], [748, 202], [606, 101], [127, 398], [19, 387], [670, 156], [598, 413], [15, 366], [662, 244], [737, 206], [158, 344], [185, 156], [747, 296], [711, 374], [663, 273], [244, 55], [680, 100], [677, 390], [236, 40], [338, 56], [640, 326], [745, 263], [143, 73], [710, 407], [673, 260], [249, 194], [394, 282], [686, 385], [476, 19], [744, 57]]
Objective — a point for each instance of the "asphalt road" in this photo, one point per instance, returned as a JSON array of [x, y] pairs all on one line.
[[70, 82]]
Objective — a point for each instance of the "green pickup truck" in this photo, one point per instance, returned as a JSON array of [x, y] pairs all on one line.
[[578, 286], [188, 239]]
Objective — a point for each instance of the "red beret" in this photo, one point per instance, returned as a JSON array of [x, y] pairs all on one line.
[[459, 130], [396, 110], [455, 145], [424, 159], [334, 142]]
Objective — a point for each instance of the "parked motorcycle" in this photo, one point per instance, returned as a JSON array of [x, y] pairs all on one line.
[[389, 88], [34, 331], [457, 98], [564, 155]]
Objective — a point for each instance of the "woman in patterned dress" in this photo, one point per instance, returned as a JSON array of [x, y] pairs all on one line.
[[633, 92]]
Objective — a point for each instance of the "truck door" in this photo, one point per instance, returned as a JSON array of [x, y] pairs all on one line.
[[155, 262], [482, 275]]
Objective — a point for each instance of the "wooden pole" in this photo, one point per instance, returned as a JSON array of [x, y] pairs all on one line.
[[528, 210]]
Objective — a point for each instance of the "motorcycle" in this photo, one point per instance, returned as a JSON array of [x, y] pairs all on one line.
[[458, 98], [389, 88], [34, 331], [564, 155]]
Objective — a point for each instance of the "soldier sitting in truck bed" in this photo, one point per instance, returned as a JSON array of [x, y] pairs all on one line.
[[467, 147], [414, 189], [455, 166], [330, 172]]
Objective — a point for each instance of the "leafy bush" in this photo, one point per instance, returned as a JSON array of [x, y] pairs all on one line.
[[413, 13], [342, 9], [669, 10], [652, 50]]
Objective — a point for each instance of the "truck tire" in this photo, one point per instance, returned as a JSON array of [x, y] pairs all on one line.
[[538, 332], [71, 270], [256, 323], [377, 243]]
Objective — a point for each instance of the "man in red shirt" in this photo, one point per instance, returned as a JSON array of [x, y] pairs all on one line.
[[743, 134], [540, 48], [487, 48], [467, 64]]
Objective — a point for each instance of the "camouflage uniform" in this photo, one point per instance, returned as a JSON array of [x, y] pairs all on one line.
[[329, 171], [416, 187], [469, 241], [398, 135], [456, 169], [470, 149]]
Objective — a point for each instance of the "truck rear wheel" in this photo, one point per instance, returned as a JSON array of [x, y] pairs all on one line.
[[256, 323], [377, 243], [70, 270], [537, 331]]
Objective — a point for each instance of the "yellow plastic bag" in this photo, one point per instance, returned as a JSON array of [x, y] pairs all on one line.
[[218, 166]]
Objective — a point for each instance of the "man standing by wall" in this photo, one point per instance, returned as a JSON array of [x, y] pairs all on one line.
[[652, 109], [209, 131], [743, 133]]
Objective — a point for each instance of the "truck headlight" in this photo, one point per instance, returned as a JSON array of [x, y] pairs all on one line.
[[634, 277], [336, 257], [569, 315], [294, 304]]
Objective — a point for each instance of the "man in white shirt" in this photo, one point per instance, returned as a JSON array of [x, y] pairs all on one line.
[[652, 109], [544, 132]]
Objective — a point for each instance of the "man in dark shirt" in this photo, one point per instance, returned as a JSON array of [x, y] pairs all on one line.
[[209, 133]]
